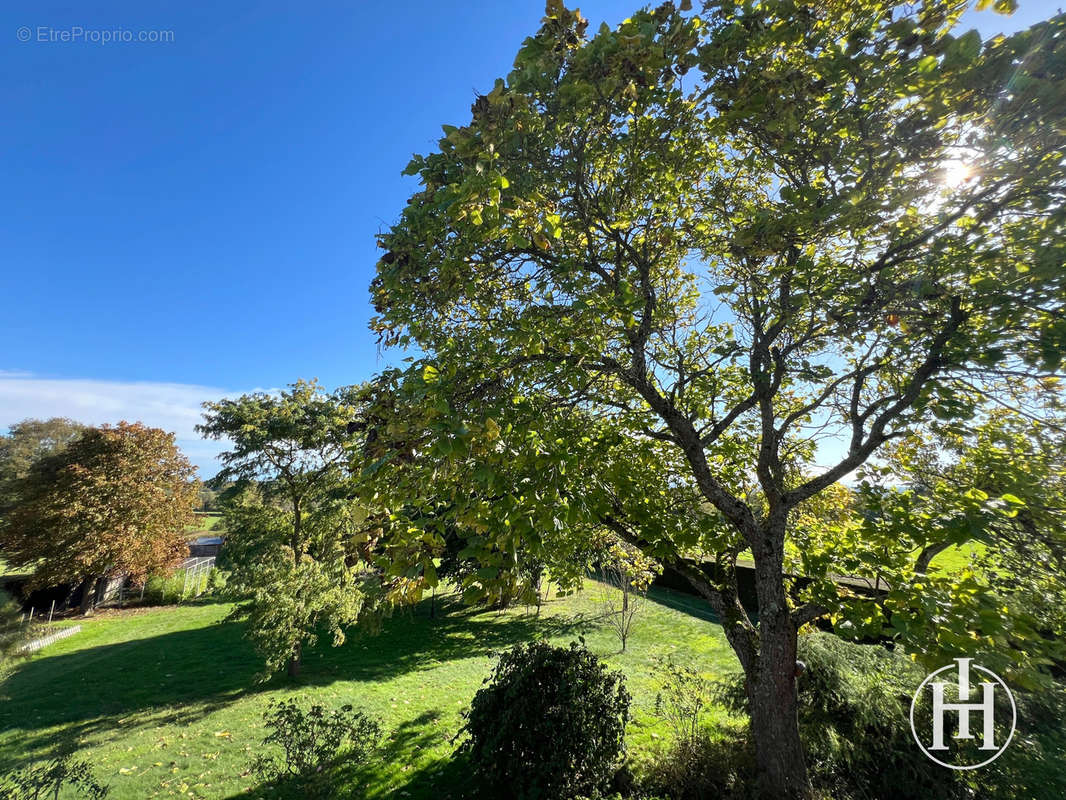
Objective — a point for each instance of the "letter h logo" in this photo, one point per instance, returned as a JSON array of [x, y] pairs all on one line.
[[985, 707]]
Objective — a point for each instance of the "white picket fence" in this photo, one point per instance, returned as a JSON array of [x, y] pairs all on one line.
[[52, 638]]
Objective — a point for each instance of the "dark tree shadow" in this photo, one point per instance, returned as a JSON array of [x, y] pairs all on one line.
[[443, 779], [412, 641], [177, 677], [691, 604], [446, 778]]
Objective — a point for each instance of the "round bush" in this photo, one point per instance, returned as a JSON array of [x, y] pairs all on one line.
[[549, 723]]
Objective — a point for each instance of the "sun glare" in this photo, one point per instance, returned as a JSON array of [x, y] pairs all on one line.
[[956, 173]]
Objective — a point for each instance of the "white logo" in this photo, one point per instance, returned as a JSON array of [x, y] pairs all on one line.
[[985, 707]]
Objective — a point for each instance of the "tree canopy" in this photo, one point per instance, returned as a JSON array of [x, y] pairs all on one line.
[[999, 490], [663, 262], [291, 523], [114, 501], [28, 441]]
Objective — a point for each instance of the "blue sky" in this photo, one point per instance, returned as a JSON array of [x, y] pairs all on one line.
[[194, 217]]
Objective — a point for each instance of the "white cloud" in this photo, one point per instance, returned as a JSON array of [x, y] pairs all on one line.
[[174, 407]]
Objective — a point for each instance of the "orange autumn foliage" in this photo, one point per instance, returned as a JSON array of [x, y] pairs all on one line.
[[115, 501]]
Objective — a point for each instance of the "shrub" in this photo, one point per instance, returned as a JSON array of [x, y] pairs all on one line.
[[45, 781], [161, 589], [1032, 767], [13, 632], [706, 765], [313, 742], [855, 718], [696, 763], [549, 723], [683, 696]]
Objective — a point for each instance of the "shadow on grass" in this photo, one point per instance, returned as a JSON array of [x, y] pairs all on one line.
[[411, 641], [442, 779], [689, 604], [182, 676], [446, 778], [173, 678]]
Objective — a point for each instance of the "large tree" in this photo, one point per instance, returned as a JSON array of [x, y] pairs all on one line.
[[661, 263], [114, 501], [291, 525]]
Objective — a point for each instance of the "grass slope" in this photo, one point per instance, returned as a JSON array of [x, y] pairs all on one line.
[[956, 557], [205, 525], [164, 703]]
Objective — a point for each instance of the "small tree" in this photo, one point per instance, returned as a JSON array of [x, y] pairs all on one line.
[[625, 575], [115, 501], [291, 527]]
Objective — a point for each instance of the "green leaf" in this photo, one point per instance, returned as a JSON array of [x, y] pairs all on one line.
[[488, 573], [430, 573]]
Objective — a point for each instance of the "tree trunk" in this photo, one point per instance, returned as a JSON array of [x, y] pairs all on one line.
[[296, 657], [88, 594], [296, 660], [768, 656], [782, 770]]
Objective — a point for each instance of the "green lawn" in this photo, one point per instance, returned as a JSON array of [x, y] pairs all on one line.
[[163, 702], [204, 524], [209, 522], [6, 569], [956, 557]]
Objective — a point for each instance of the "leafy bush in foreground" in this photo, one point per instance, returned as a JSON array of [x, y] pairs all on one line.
[[313, 742], [549, 723], [697, 763], [709, 764]]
